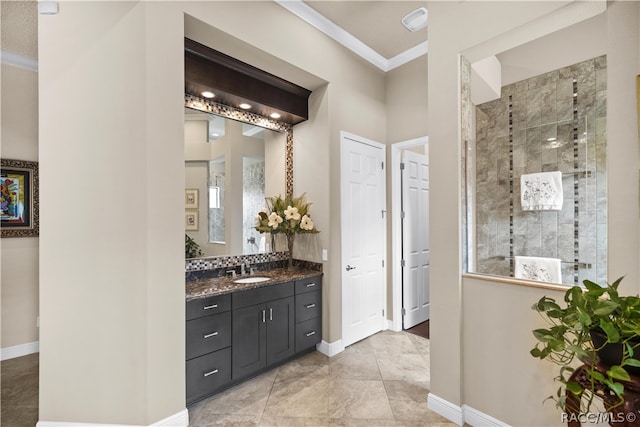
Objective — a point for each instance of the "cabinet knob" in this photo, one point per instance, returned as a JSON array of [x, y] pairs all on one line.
[[309, 334], [206, 374], [309, 306], [212, 334], [209, 307]]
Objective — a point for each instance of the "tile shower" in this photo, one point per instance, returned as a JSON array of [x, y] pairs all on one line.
[[552, 122]]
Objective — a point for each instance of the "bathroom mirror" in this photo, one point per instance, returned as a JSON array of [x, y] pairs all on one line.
[[231, 165], [535, 158]]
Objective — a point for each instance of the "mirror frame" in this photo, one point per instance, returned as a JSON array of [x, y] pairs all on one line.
[[204, 105]]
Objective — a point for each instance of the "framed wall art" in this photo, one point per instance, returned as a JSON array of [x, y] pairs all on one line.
[[191, 220], [19, 198], [191, 198]]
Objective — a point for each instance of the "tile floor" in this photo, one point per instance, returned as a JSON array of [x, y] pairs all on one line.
[[380, 381], [19, 405]]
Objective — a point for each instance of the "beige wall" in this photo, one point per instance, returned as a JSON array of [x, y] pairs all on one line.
[[19, 140], [481, 330], [407, 94], [131, 315]]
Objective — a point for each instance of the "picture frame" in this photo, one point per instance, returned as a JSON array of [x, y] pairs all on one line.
[[191, 198], [19, 197], [191, 220]]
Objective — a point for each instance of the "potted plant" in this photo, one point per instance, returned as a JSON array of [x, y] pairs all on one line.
[[289, 215], [599, 328], [191, 248]]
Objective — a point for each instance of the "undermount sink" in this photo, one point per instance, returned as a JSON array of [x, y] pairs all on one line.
[[252, 280]]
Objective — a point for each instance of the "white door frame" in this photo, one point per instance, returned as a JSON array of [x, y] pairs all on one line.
[[346, 135], [396, 226]]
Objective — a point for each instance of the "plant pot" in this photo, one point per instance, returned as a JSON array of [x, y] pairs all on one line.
[[610, 354]]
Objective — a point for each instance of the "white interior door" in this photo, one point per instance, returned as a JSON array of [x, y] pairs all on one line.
[[363, 195], [415, 239]]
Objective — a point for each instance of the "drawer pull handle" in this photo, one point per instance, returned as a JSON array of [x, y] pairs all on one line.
[[264, 313], [206, 374], [209, 307], [212, 334], [310, 285], [309, 306], [309, 334]]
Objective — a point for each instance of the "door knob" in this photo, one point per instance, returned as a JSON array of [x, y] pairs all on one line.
[[349, 268]]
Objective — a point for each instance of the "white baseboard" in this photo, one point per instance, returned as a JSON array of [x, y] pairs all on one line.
[[19, 350], [181, 419], [330, 349], [443, 407], [476, 418], [461, 415]]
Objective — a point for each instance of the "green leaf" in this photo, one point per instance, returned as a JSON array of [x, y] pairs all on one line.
[[591, 286], [574, 387], [632, 362], [543, 335], [610, 330], [618, 373], [617, 388]]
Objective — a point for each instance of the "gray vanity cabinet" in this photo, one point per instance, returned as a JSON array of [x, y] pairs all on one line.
[[233, 336], [208, 336], [263, 333]]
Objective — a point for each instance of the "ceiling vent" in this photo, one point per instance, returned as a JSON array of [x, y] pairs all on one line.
[[416, 20]]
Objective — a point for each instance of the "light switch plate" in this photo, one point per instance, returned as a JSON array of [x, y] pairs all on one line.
[[325, 255]]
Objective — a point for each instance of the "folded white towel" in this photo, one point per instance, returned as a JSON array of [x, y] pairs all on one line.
[[540, 269], [541, 191]]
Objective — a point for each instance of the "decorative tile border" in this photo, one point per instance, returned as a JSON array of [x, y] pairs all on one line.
[[198, 264]]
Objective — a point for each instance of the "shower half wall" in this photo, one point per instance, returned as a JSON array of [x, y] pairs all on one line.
[[552, 122]]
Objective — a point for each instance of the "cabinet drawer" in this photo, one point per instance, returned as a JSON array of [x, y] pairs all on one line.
[[201, 307], [208, 373], [308, 306], [308, 285], [262, 295], [308, 333], [208, 334]]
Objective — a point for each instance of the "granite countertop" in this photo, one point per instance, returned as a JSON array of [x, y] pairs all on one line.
[[223, 285]]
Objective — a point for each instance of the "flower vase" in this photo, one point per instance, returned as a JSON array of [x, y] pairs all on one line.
[[290, 239]]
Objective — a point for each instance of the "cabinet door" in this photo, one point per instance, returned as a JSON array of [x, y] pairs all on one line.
[[248, 340], [280, 329]]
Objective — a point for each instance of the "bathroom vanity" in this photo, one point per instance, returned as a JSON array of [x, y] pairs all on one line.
[[235, 331]]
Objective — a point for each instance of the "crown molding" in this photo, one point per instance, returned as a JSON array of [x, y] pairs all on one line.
[[20, 61], [408, 55], [315, 19]]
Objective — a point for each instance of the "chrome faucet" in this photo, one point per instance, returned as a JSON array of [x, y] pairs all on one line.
[[245, 268], [231, 272]]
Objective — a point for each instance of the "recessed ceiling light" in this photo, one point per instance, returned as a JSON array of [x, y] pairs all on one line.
[[275, 116], [208, 94], [416, 20], [244, 106]]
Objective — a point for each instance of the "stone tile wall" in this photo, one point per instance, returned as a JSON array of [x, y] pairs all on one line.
[[555, 121]]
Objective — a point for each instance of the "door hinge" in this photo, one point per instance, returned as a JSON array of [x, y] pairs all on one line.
[[404, 311], [402, 215], [382, 164], [402, 166], [402, 263], [382, 263], [383, 312], [383, 212]]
